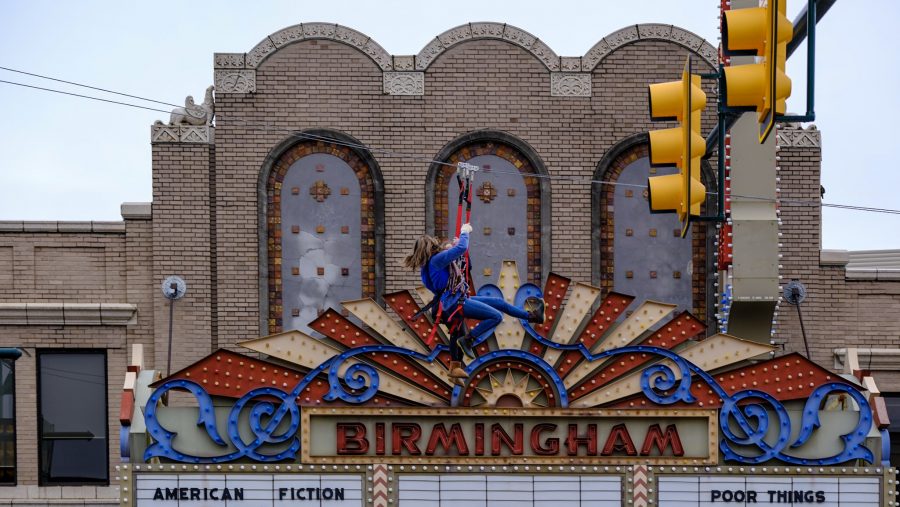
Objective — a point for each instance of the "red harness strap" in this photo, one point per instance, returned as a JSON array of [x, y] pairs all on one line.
[[454, 320]]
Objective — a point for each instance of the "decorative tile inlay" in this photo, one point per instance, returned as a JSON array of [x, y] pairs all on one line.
[[570, 84], [404, 83], [486, 192], [320, 191]]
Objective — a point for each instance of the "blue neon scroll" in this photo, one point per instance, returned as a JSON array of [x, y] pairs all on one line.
[[752, 412]]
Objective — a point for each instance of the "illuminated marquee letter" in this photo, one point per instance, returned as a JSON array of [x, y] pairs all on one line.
[[552, 444], [655, 437], [355, 443], [439, 435]]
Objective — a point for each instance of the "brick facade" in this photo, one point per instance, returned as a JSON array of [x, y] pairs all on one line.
[[210, 214]]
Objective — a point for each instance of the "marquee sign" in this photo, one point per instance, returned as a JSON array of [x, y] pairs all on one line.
[[352, 435], [602, 381]]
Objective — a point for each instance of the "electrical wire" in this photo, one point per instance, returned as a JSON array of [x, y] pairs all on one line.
[[262, 126]]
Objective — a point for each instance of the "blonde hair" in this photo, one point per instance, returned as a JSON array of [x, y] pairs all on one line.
[[425, 247]]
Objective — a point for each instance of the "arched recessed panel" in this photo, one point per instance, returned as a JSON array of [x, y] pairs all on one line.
[[499, 218], [642, 253], [506, 209], [652, 259], [321, 233]]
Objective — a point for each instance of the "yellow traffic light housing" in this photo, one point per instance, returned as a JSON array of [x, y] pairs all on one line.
[[681, 193], [764, 86]]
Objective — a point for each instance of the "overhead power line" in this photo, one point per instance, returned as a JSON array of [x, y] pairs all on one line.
[[261, 126]]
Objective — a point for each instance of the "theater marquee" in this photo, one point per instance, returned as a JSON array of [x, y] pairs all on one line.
[[357, 435]]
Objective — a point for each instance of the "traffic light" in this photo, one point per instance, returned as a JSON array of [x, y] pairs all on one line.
[[682, 146], [762, 87]]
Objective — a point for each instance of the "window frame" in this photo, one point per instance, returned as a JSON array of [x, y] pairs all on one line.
[[42, 479], [15, 480]]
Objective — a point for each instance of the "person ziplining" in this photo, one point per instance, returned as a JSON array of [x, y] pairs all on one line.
[[445, 271]]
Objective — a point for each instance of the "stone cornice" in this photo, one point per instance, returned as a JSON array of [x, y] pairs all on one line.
[[236, 72], [62, 227], [67, 314]]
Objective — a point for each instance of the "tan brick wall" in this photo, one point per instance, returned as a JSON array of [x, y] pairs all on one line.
[[472, 86], [181, 246], [837, 313], [56, 267]]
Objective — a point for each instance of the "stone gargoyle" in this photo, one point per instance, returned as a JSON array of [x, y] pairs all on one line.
[[193, 114]]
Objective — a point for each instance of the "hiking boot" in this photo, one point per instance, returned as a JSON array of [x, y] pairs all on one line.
[[465, 343], [457, 373], [535, 308]]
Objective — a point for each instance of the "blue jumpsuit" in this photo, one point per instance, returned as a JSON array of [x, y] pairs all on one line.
[[435, 276]]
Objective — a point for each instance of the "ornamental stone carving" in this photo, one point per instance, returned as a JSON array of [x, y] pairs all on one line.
[[329, 31], [623, 36], [455, 35], [570, 84], [198, 134], [570, 63], [235, 81], [404, 83], [407, 62], [518, 36], [259, 53], [411, 84], [649, 31], [497, 31], [795, 136], [194, 114], [228, 60], [429, 53]]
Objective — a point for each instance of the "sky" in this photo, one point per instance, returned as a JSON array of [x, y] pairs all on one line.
[[65, 158]]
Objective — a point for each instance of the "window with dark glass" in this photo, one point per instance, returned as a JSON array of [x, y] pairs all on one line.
[[72, 418], [7, 422]]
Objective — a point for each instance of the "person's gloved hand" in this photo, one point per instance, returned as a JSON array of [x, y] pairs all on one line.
[[465, 229]]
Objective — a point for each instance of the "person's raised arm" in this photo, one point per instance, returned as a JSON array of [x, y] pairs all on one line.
[[443, 259]]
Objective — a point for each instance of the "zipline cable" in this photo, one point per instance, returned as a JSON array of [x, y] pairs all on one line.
[[263, 126]]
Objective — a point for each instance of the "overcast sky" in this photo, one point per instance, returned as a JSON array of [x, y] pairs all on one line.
[[64, 158]]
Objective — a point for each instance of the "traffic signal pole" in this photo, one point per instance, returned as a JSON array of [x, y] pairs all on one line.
[[815, 10]]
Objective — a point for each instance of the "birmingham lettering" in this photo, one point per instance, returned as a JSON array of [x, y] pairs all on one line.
[[543, 439]]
